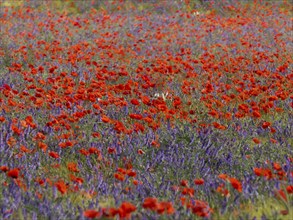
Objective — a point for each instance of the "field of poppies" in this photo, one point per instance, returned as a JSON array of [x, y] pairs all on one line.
[[146, 109]]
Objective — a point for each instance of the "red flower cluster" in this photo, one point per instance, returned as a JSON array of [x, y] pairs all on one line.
[[159, 207], [124, 211]]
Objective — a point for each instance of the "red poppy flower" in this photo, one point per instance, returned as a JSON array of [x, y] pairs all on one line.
[[4, 168], [40, 181], [61, 186], [277, 166], [54, 154], [136, 116], [150, 203], [255, 140], [256, 114], [138, 127], [93, 150], [184, 183], [91, 213], [289, 189], [140, 151], [223, 191], [71, 166], [121, 170], [13, 173], [110, 212], [223, 176], [84, 152], [119, 176], [97, 106], [24, 149], [280, 194], [134, 102], [96, 134], [127, 208], [198, 181], [146, 100], [2, 119], [165, 207], [266, 125], [236, 184], [43, 146], [155, 144], [201, 209], [111, 150], [131, 173], [105, 119], [274, 141], [258, 171], [188, 191], [135, 182]]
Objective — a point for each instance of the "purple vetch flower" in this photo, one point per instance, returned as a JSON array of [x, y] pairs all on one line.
[[34, 216]]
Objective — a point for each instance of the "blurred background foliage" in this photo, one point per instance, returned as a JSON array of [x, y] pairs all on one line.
[[78, 7], [159, 6]]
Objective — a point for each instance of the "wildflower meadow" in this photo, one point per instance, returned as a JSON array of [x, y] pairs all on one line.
[[146, 109]]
